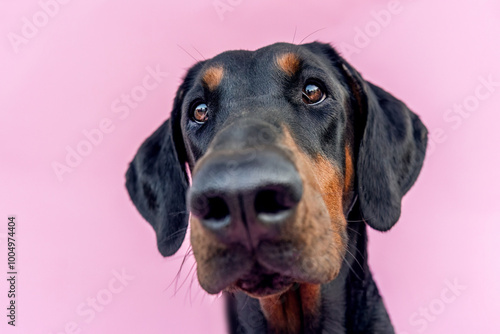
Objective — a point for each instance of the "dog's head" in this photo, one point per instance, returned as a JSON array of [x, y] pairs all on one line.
[[279, 143]]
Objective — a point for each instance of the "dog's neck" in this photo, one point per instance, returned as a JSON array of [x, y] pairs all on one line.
[[348, 304]]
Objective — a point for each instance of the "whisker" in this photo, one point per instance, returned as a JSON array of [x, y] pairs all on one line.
[[176, 257], [350, 228], [217, 297], [311, 34], [191, 287], [354, 221], [202, 56], [188, 53], [361, 254], [352, 270], [177, 276], [363, 219], [182, 230], [177, 213], [354, 257], [203, 297], [185, 279], [245, 303], [197, 293], [294, 33]]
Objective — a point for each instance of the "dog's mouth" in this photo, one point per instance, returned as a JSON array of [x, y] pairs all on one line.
[[260, 282], [273, 268]]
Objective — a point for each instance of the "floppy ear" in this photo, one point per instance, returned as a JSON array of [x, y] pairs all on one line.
[[391, 151], [157, 184]]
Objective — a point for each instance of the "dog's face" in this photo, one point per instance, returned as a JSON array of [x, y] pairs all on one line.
[[265, 135], [279, 143]]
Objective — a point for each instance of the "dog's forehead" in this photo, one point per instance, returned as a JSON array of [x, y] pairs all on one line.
[[256, 57], [265, 61]]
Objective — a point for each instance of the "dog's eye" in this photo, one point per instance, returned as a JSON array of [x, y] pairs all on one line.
[[200, 113], [312, 94]]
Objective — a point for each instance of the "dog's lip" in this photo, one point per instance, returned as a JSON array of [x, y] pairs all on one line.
[[260, 273], [260, 282], [263, 275]]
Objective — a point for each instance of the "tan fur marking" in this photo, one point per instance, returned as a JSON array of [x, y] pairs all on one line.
[[288, 63], [327, 180], [291, 311], [283, 312], [349, 170], [331, 185], [205, 247], [213, 76], [310, 295]]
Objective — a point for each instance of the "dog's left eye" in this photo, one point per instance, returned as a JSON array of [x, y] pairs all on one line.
[[200, 113], [312, 94]]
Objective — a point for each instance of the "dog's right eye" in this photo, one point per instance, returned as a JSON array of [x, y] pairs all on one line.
[[200, 113], [312, 93]]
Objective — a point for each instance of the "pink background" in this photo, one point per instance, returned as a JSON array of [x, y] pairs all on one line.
[[75, 233]]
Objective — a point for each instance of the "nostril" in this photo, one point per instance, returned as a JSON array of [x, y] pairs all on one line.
[[271, 202], [213, 211], [217, 209]]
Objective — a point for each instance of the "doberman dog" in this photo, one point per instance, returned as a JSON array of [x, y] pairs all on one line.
[[278, 159]]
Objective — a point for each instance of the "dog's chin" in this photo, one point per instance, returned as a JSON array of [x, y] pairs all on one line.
[[264, 284]]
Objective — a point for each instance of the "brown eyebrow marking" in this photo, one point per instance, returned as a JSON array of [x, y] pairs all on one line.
[[213, 76], [288, 63]]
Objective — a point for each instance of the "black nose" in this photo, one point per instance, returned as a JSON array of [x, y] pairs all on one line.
[[249, 193]]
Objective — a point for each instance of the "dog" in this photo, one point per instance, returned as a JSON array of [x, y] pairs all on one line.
[[278, 159]]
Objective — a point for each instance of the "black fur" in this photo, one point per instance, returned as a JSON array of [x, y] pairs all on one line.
[[157, 185], [391, 153], [389, 143]]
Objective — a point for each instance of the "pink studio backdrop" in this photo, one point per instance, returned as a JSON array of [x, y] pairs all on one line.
[[79, 237]]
